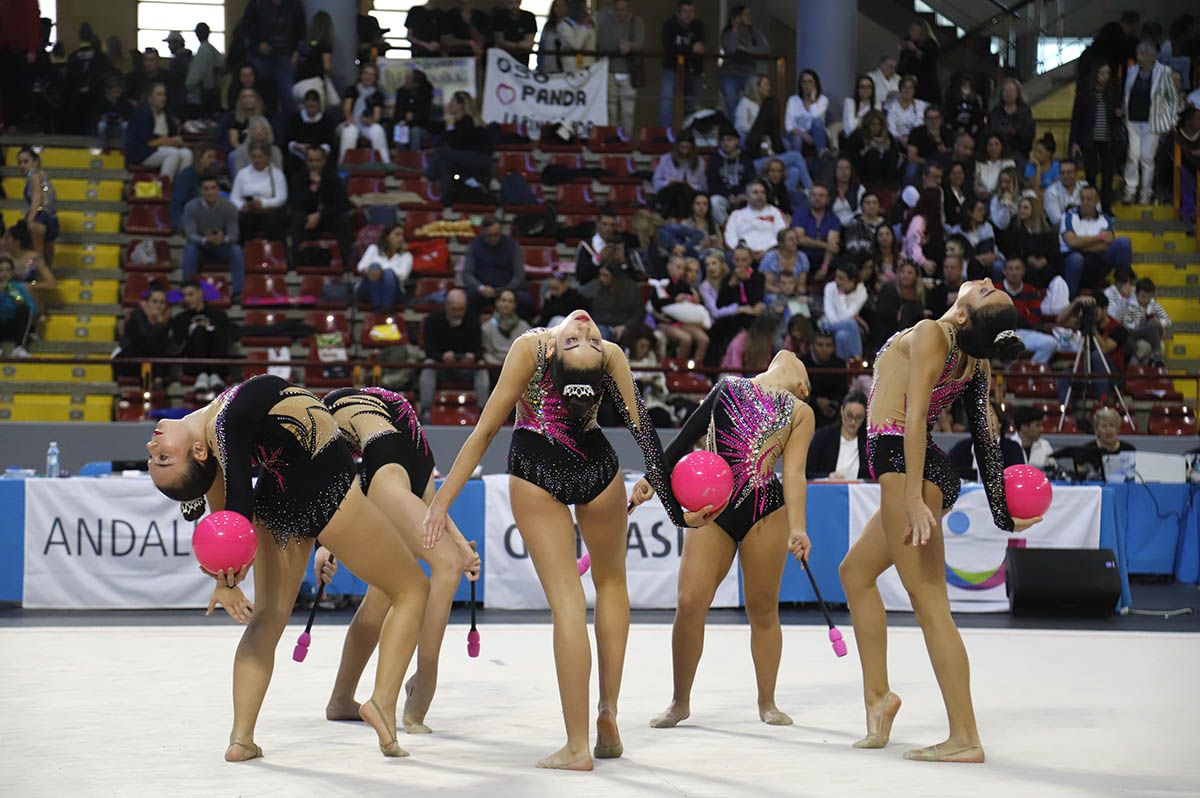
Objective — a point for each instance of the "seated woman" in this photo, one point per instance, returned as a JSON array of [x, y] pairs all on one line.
[[258, 131], [17, 310], [679, 310], [1089, 458], [874, 152], [31, 268], [41, 218], [839, 451], [466, 146], [235, 123], [362, 111], [384, 268], [502, 329], [152, 138], [260, 192]]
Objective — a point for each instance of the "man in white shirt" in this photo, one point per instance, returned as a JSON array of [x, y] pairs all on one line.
[[887, 79], [1037, 449], [757, 225], [1063, 193], [844, 300], [1092, 249], [259, 193]]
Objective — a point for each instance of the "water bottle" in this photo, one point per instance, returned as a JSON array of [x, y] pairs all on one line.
[[52, 460]]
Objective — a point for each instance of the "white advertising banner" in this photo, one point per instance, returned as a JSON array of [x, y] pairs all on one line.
[[975, 547], [654, 546], [448, 74], [108, 544], [513, 93]]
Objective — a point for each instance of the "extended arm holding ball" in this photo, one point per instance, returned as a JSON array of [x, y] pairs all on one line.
[[987, 449]]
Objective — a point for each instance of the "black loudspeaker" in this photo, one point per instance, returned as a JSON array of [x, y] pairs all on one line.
[[1062, 581]]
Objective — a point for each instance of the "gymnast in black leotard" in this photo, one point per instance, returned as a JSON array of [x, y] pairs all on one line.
[[554, 378], [306, 487], [750, 423], [396, 474]]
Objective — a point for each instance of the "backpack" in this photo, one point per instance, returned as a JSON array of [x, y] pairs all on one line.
[[536, 224], [514, 190]]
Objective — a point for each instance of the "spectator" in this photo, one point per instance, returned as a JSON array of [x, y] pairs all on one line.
[[465, 149], [886, 78], [1042, 169], [414, 120], [904, 111], [17, 309], [369, 34], [1114, 44], [559, 299], [85, 68], [1035, 242], [978, 231], [902, 302], [201, 332], [1028, 421], [1178, 51], [210, 230], [1012, 120], [729, 171], [147, 331], [589, 255], [744, 288], [757, 224], [619, 30], [846, 191], [1107, 441], [844, 299], [678, 175], [1064, 194], [202, 83], [804, 115], [652, 383], [1150, 105], [452, 338], [785, 258], [314, 64], [318, 206], [679, 309], [820, 231], [964, 107], [839, 451], [562, 34], [919, 58], [309, 128], [494, 261], [1028, 302], [273, 30], [925, 231], [859, 232], [424, 24], [827, 377], [147, 71], [930, 142], [260, 193], [774, 176], [855, 108], [234, 127], [107, 119], [616, 301], [1147, 322], [1096, 130], [1089, 315], [259, 131], [987, 172], [750, 351], [247, 78], [965, 459], [362, 114], [740, 42], [1003, 207], [764, 145], [41, 215], [177, 69], [886, 252], [514, 30], [788, 302], [944, 293], [187, 183], [964, 153], [152, 138], [682, 35], [873, 151], [1090, 246], [955, 190], [502, 329], [384, 267], [1120, 293], [750, 103], [1187, 136], [463, 30]]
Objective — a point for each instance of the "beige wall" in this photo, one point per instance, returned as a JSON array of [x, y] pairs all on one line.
[[118, 17]]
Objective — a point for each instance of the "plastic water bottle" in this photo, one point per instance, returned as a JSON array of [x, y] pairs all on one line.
[[52, 460]]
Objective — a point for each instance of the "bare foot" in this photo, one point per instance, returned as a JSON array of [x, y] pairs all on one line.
[[773, 716], [566, 759], [675, 714], [413, 726], [341, 709], [949, 751], [373, 715], [413, 717], [242, 752], [608, 739], [879, 722]]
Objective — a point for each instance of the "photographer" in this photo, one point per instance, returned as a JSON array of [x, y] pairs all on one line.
[[201, 332], [1089, 315]]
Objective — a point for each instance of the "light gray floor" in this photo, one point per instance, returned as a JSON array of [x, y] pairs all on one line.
[[145, 711]]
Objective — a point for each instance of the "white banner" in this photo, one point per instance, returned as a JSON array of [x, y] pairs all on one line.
[[652, 561], [975, 547], [448, 74], [108, 544], [513, 93]]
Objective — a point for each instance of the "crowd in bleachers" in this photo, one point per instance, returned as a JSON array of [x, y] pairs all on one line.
[[766, 222]]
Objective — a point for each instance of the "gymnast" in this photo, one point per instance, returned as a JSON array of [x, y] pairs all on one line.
[[750, 423], [306, 487], [919, 372], [397, 476], [559, 456]]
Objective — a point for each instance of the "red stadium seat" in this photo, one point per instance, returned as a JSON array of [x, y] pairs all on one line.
[[655, 139], [138, 283], [549, 142], [427, 196], [622, 168], [312, 292], [454, 416], [335, 267], [221, 285], [576, 198], [369, 320], [567, 161], [256, 364], [131, 194], [1028, 380], [162, 252], [1154, 385], [424, 288], [609, 138], [520, 162], [329, 321], [513, 137], [409, 159], [626, 198], [265, 318], [540, 261], [150, 220], [364, 184], [265, 257], [266, 290], [361, 155], [682, 379], [316, 377], [414, 220]]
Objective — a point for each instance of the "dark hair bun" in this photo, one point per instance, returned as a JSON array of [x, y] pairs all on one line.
[[1008, 346], [193, 509], [580, 388]]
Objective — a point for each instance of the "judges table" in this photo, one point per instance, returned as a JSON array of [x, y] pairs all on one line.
[[79, 542]]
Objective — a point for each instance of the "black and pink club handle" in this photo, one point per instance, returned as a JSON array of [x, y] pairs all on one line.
[[835, 635], [473, 635], [301, 649]]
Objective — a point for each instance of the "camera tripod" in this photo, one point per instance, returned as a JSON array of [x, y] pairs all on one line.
[[1087, 346]]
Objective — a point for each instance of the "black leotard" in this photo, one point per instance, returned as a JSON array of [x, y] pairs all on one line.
[[304, 465], [404, 444]]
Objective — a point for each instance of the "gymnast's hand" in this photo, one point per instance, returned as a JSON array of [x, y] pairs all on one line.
[[920, 523], [436, 520], [229, 578], [234, 602], [1021, 524], [471, 561], [703, 516], [799, 544], [642, 493], [324, 565]]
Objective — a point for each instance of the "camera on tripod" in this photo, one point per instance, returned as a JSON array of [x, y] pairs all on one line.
[[1088, 316]]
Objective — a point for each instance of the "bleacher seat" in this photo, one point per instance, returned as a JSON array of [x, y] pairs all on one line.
[[609, 138], [424, 288], [520, 162], [539, 196], [1171, 419], [655, 139], [513, 137], [265, 257], [265, 318], [568, 161], [313, 295], [540, 261], [1152, 385], [336, 266], [1028, 380], [622, 168], [414, 220], [576, 198], [150, 220], [357, 156], [162, 252], [369, 320], [137, 284], [626, 198], [427, 197], [164, 192], [266, 290], [551, 143], [315, 377], [364, 184], [682, 380], [221, 286], [256, 364], [410, 159]]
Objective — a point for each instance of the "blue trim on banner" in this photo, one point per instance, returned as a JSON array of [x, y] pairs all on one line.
[[12, 540], [828, 515]]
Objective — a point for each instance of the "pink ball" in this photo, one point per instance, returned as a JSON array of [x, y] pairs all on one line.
[[1027, 490], [224, 540], [700, 479]]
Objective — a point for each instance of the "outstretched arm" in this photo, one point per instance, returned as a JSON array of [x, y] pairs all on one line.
[[987, 450], [795, 481]]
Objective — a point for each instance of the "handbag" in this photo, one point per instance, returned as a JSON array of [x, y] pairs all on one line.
[[431, 257]]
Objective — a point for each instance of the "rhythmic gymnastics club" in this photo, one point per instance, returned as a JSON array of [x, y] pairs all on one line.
[[835, 637], [585, 562], [301, 649], [473, 635]]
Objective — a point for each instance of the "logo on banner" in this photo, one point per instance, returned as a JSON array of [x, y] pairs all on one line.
[[959, 523], [578, 98], [506, 94]]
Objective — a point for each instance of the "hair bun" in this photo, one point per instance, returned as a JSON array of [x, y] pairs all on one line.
[[1008, 345], [193, 509]]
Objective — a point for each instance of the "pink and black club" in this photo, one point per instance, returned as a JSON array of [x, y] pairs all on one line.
[[473, 635], [835, 636]]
